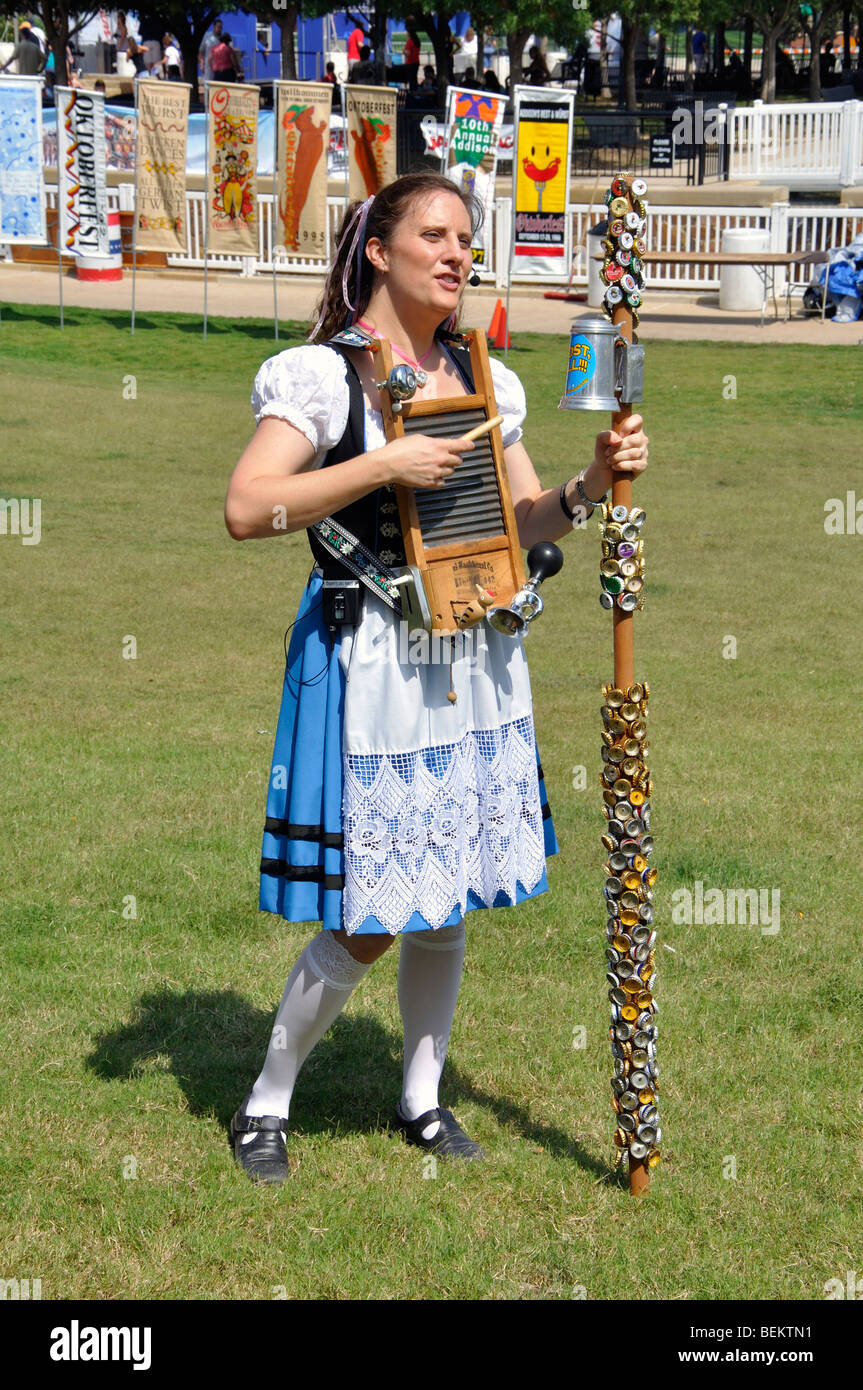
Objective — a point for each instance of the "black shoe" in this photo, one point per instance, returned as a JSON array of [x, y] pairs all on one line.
[[449, 1141], [264, 1158]]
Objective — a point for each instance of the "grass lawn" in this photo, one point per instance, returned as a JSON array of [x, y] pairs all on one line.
[[130, 1039]]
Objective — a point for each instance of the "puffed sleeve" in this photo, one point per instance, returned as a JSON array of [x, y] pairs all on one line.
[[511, 403], [307, 387]]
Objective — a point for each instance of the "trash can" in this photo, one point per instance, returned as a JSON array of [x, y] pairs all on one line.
[[740, 286], [595, 287]]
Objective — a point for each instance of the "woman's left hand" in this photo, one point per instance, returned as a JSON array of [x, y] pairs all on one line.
[[621, 450]]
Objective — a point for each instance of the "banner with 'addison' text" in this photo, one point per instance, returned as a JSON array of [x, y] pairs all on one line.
[[303, 112], [474, 121], [542, 233], [163, 120], [371, 114], [232, 161], [82, 194]]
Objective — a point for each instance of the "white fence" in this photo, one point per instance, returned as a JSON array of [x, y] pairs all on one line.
[[679, 229], [815, 145]]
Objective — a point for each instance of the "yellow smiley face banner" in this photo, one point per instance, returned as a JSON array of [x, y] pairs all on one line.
[[542, 231]]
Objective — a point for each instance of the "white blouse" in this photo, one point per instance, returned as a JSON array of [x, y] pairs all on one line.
[[307, 386]]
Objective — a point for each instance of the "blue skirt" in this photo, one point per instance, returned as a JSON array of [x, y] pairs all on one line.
[[303, 861]]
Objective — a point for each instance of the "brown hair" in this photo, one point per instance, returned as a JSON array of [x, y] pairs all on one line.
[[390, 206]]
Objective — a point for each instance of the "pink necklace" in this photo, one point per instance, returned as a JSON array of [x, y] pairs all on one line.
[[422, 377]]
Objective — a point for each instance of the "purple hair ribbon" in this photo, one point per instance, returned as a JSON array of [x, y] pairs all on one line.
[[357, 224]]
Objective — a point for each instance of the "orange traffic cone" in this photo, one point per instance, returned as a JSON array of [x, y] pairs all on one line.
[[501, 336], [495, 319]]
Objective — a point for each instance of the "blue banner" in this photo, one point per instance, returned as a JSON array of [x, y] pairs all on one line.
[[22, 190]]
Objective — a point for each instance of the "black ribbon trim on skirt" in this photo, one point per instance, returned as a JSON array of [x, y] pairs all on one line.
[[329, 839], [308, 874]]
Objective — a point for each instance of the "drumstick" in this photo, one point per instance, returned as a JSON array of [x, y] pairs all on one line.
[[484, 428]]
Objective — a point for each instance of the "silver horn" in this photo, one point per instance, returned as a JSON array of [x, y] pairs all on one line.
[[544, 559]]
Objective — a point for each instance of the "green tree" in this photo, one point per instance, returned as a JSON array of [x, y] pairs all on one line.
[[777, 21], [814, 20], [61, 22]]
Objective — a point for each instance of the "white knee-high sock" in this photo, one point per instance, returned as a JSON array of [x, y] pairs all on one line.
[[317, 990], [430, 969]]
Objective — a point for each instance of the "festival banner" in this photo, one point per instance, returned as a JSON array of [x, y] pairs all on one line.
[[163, 113], [82, 194], [371, 113], [303, 111], [542, 235], [22, 189], [232, 156], [474, 121]]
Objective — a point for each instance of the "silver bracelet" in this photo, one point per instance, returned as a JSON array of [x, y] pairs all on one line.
[[583, 497]]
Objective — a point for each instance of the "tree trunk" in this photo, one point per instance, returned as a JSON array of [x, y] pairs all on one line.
[[629, 35], [515, 48], [815, 57], [747, 49], [605, 92], [719, 52], [689, 63], [846, 42], [768, 65], [287, 22]]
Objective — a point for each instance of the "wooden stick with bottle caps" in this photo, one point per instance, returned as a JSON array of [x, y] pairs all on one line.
[[623, 316]]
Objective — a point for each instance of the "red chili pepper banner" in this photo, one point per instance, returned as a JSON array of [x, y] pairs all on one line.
[[371, 113]]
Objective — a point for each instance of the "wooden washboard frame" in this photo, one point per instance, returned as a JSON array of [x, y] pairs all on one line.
[[463, 534]]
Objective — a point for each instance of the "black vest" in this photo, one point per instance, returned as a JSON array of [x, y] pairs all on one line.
[[373, 519]]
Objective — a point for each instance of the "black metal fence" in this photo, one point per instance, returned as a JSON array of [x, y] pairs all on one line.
[[659, 140]]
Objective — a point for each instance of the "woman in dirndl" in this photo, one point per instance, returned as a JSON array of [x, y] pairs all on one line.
[[393, 809]]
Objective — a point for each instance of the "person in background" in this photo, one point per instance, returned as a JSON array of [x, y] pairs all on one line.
[[99, 86], [26, 53], [137, 55], [490, 81], [429, 82], [536, 74], [223, 61], [330, 76], [171, 62], [364, 72], [699, 50], [356, 38], [205, 52], [411, 56], [468, 79]]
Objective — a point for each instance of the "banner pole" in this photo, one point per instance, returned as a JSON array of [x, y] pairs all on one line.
[[515, 110], [275, 210], [206, 191], [135, 210], [59, 209], [344, 105]]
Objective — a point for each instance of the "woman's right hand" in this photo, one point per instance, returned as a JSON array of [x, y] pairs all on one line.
[[422, 460]]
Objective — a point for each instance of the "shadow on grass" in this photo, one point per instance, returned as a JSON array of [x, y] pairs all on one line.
[[120, 320], [215, 1042]]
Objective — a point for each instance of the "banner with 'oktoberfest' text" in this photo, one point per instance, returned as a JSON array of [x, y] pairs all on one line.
[[303, 112], [82, 194], [542, 232], [371, 114], [163, 120], [232, 161]]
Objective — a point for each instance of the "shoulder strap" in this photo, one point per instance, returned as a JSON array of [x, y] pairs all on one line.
[[330, 539]]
